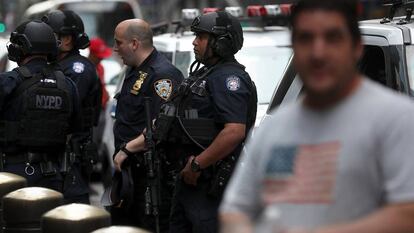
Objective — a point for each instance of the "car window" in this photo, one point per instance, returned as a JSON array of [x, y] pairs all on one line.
[[372, 64], [265, 66], [183, 61]]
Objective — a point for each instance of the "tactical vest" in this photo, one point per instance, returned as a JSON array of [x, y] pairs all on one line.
[[45, 112], [178, 123]]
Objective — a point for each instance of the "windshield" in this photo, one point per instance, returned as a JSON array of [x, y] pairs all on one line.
[[265, 66]]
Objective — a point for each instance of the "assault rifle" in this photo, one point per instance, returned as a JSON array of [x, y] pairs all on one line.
[[152, 167]]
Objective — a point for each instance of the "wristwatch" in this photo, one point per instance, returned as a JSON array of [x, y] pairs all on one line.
[[195, 166], [125, 150]]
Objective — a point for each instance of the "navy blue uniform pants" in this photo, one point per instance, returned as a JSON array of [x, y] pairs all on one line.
[[133, 214], [76, 185], [193, 210]]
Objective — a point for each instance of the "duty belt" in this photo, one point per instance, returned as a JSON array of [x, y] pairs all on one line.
[[27, 157]]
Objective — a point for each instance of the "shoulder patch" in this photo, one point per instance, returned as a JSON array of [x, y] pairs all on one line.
[[163, 88], [233, 83], [78, 67]]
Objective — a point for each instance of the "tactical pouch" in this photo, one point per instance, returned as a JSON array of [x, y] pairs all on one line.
[[89, 153], [163, 125], [164, 121], [64, 161], [47, 168], [202, 130], [224, 169]]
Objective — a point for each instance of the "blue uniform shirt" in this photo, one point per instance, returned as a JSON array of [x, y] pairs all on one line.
[[83, 73], [229, 92], [156, 77]]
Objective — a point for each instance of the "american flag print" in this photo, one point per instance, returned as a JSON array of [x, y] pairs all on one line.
[[301, 174]]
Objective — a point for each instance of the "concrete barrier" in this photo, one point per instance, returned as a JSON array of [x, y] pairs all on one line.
[[75, 218], [120, 229], [8, 183], [24, 208]]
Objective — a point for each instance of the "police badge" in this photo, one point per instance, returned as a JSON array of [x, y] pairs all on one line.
[[163, 88], [138, 84], [78, 67], [233, 83]]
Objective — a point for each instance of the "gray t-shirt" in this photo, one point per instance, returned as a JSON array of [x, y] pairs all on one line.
[[331, 166]]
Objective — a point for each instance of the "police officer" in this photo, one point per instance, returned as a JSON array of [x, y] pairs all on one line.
[[38, 108], [206, 122], [149, 74], [69, 28]]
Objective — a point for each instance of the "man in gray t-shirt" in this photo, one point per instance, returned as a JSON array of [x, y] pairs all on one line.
[[339, 160]]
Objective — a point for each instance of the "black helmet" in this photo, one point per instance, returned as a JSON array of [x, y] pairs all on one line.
[[32, 38], [68, 23], [226, 30]]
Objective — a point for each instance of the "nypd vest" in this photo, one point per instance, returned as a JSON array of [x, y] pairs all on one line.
[[45, 113]]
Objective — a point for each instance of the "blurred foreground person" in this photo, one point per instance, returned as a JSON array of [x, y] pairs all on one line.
[[338, 160], [69, 28], [38, 108]]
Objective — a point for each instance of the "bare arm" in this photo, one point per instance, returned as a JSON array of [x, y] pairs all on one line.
[[235, 223], [394, 218], [225, 142], [136, 145]]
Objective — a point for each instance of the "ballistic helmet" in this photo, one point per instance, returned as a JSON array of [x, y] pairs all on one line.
[[226, 31], [32, 38], [67, 22]]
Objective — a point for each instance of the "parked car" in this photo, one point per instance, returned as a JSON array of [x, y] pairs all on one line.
[[388, 59]]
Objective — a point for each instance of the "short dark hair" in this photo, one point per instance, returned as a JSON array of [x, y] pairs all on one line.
[[347, 8]]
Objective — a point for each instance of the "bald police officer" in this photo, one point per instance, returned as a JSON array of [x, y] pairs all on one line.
[[149, 74]]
